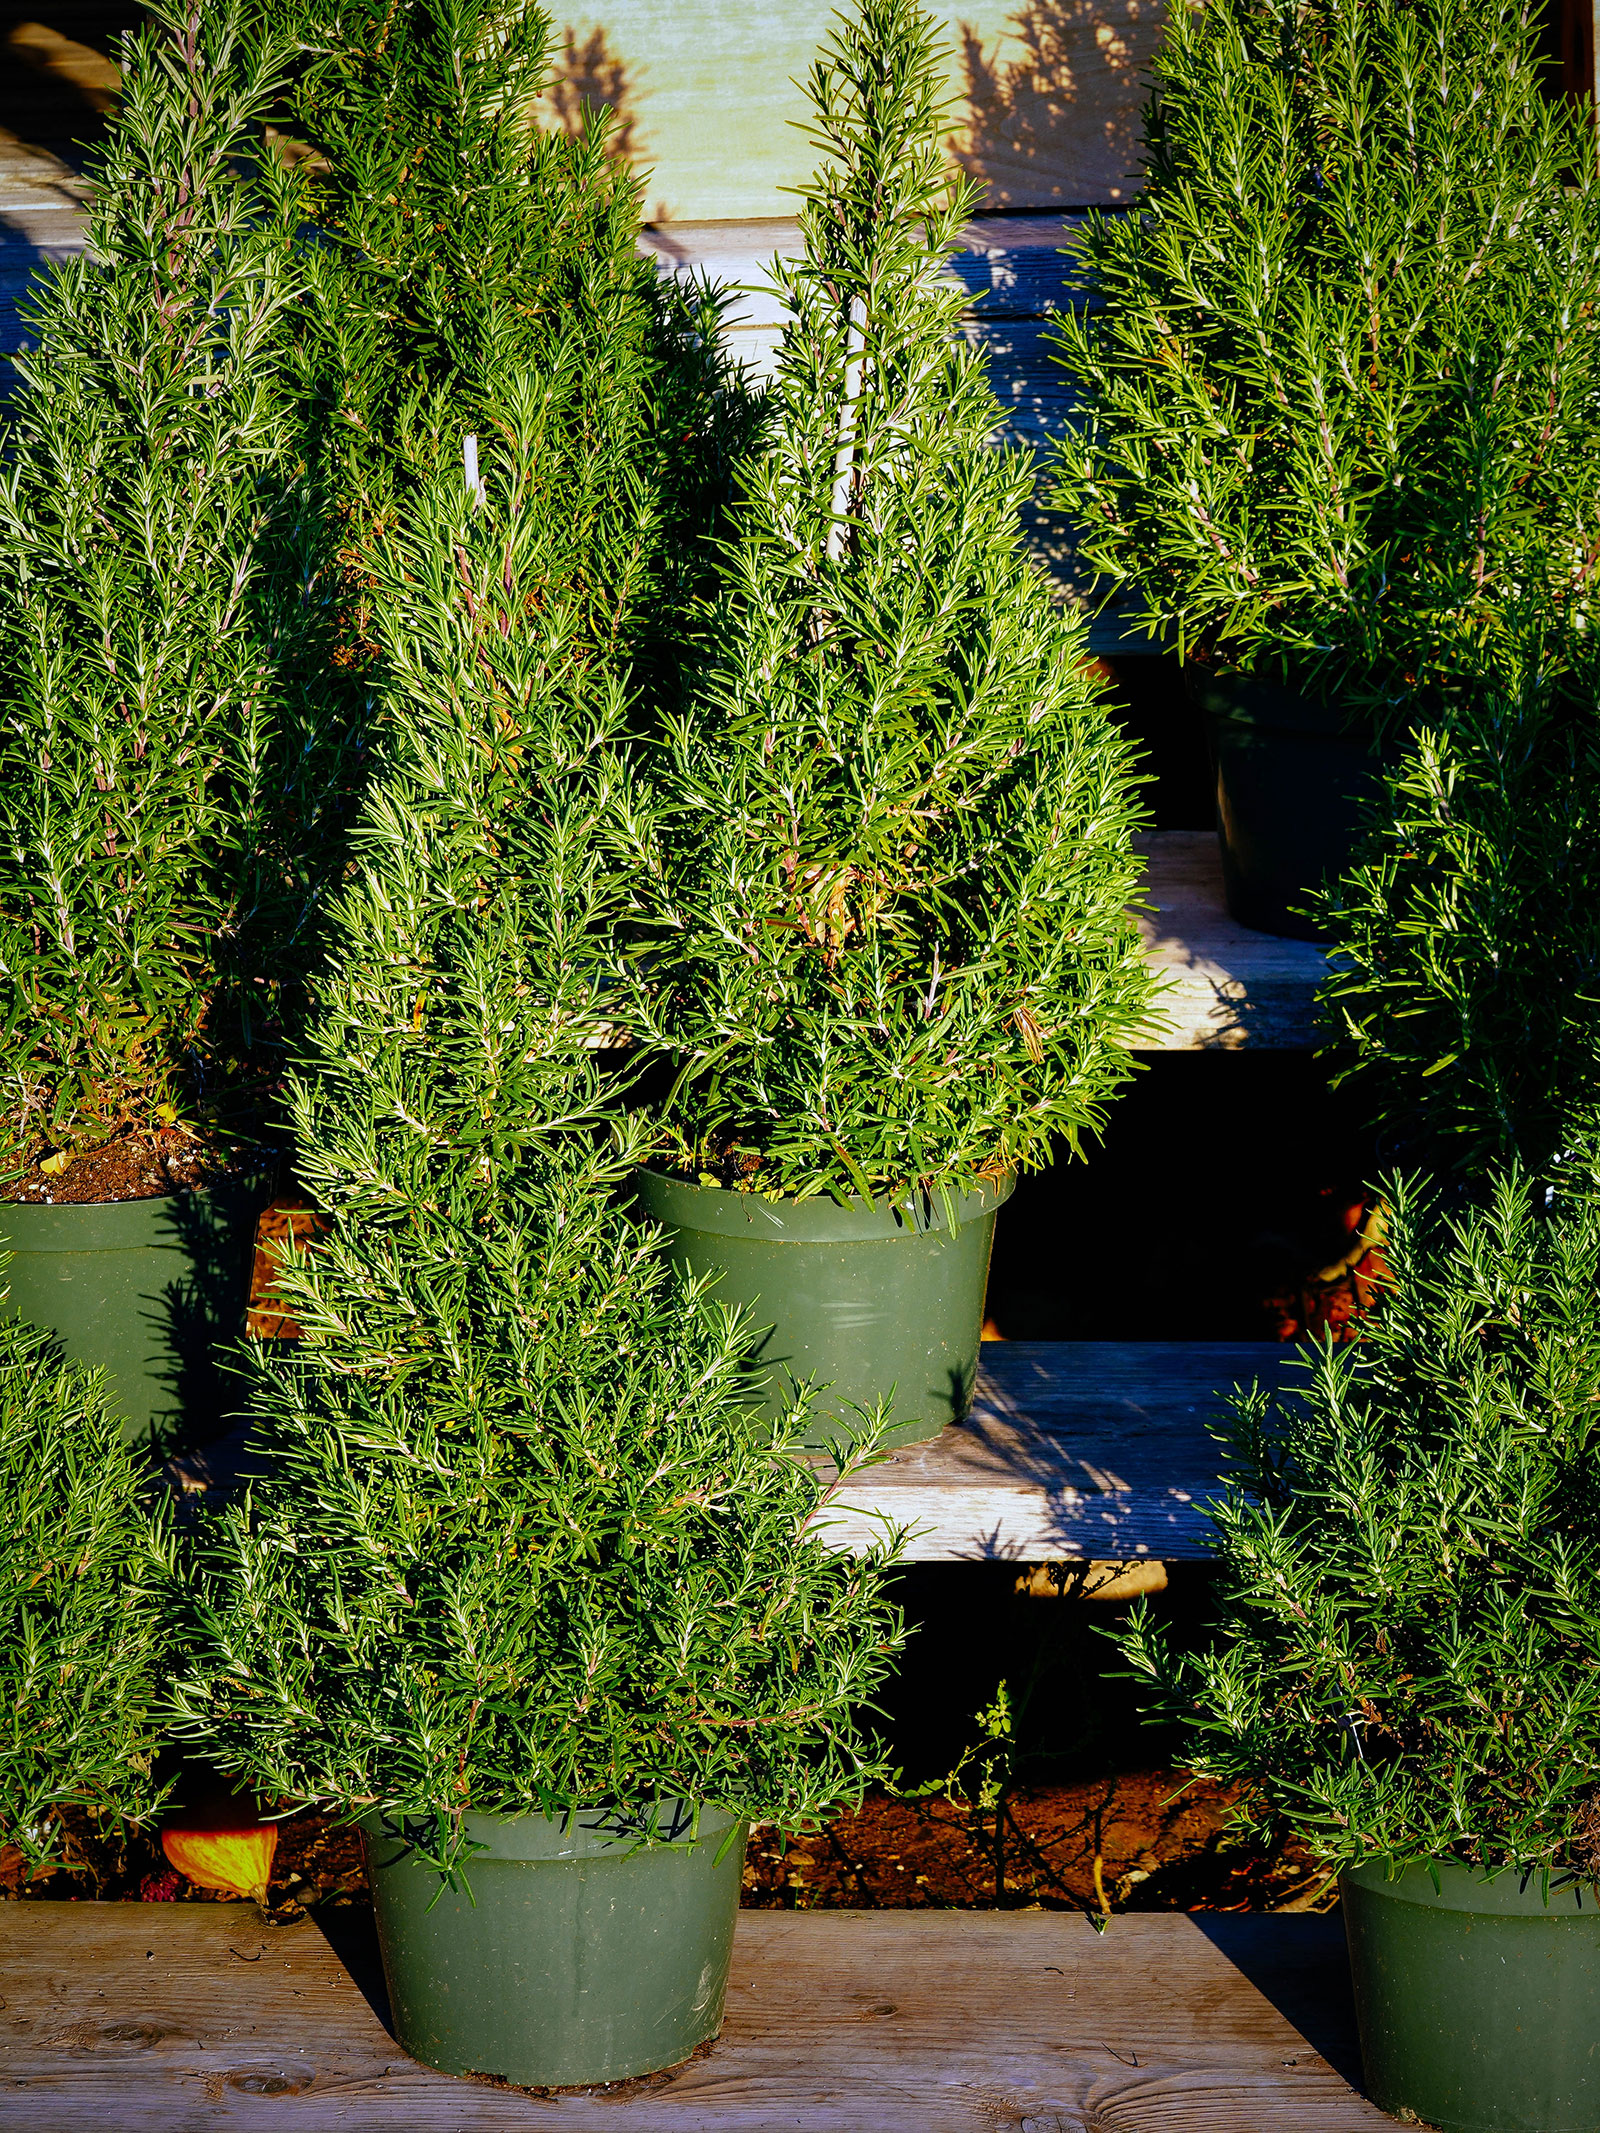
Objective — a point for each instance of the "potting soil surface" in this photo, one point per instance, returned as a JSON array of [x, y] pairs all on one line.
[[135, 1166], [1139, 1840]]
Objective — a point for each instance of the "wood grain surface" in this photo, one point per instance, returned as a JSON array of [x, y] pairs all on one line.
[[1074, 1450], [146, 2018], [1045, 96], [1223, 986], [41, 218]]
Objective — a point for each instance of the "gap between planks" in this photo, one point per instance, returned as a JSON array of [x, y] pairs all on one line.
[[192, 2016]]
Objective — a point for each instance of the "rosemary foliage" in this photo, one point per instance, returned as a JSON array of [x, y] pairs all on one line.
[[458, 242], [1407, 1657], [149, 869], [888, 945], [1339, 372], [85, 1604], [1463, 1004], [514, 1547]]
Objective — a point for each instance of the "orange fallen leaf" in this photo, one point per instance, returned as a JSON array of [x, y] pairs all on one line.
[[239, 1860]]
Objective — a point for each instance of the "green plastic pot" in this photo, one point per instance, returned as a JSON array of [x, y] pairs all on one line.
[[1291, 781], [578, 1957], [862, 1300], [1478, 2003], [145, 1288]]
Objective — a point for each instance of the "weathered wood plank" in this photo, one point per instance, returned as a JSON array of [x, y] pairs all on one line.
[[1045, 97], [189, 2017], [1074, 1450], [1224, 985], [1012, 268]]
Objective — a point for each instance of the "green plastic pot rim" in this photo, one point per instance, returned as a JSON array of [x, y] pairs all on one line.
[[578, 1833], [1500, 1892], [820, 1220], [94, 1226]]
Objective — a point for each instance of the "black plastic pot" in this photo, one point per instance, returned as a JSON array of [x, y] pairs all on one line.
[[1478, 2002], [578, 1957], [145, 1288], [864, 1301], [1291, 780]]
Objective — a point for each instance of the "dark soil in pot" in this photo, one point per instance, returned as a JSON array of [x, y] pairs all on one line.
[[1291, 781], [862, 1300]]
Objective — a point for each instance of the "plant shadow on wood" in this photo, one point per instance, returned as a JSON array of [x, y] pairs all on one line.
[[1057, 125], [588, 77], [197, 1319], [59, 77]]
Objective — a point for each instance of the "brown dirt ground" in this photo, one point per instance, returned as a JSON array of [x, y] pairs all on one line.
[[1135, 1841], [286, 1218]]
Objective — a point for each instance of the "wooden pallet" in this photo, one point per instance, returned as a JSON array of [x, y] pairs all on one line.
[[1223, 986], [171, 2019], [1074, 1451]]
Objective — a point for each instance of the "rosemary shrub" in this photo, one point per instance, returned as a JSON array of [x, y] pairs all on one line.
[[1339, 373], [1407, 1654], [85, 1604], [514, 1547], [459, 241], [887, 945], [150, 765], [1463, 1003]]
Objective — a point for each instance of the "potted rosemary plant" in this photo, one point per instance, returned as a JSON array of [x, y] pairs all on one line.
[[518, 1588], [150, 481], [1461, 999], [459, 240], [85, 1608], [887, 946], [1337, 386], [1405, 1668]]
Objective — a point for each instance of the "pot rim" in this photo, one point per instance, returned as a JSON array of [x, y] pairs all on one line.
[[725, 1211], [1500, 1892], [575, 1833], [84, 1227]]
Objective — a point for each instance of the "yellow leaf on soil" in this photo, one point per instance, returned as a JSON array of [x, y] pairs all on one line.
[[239, 1860], [53, 1165]]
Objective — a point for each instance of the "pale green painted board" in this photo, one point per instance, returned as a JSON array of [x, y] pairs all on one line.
[[1047, 97]]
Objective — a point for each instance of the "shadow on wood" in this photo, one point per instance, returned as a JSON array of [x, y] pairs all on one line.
[[1295, 1965], [349, 1930], [1055, 107]]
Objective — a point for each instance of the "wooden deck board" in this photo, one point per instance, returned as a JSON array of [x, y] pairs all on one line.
[[1224, 986], [1073, 1451], [192, 2016]]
